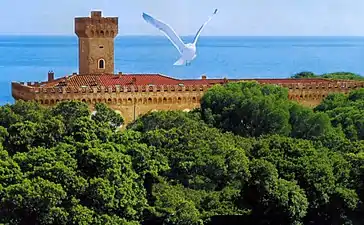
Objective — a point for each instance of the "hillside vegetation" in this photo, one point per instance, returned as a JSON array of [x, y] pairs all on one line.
[[248, 156], [335, 76]]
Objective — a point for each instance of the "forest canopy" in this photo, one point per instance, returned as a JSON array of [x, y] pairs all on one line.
[[335, 75], [248, 156]]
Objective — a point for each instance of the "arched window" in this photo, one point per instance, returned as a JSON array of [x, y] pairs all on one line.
[[101, 64]]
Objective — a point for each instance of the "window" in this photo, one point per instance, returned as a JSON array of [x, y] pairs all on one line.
[[101, 64]]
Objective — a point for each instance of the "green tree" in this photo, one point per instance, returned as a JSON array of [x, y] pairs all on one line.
[[106, 115], [304, 74], [248, 109]]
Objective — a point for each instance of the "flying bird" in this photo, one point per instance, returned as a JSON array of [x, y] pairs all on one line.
[[187, 51]]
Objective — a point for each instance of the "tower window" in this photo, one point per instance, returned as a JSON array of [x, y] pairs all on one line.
[[101, 64]]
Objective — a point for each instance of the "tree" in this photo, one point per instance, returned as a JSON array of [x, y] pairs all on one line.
[[304, 74], [247, 109], [106, 115], [346, 112]]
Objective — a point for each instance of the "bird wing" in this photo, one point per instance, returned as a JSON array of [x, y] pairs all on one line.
[[167, 31], [201, 28]]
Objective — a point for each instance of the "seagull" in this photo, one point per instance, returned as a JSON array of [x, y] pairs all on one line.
[[187, 51]]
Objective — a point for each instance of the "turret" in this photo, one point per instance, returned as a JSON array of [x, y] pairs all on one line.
[[96, 43]]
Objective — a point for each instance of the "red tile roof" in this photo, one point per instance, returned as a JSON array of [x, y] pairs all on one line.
[[155, 79]]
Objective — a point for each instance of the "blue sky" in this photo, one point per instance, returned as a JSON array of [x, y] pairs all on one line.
[[235, 17]]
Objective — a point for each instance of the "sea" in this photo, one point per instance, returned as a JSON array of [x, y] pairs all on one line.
[[29, 58]]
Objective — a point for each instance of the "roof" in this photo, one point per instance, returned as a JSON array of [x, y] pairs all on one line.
[[111, 80], [124, 80]]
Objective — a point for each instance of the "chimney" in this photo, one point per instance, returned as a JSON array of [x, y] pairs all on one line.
[[50, 76], [203, 77], [96, 14], [120, 73], [133, 80]]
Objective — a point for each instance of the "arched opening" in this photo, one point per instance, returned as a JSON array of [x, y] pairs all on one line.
[[150, 100], [101, 64], [52, 101], [109, 101]]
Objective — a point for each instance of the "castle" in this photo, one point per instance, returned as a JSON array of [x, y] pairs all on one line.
[[135, 94]]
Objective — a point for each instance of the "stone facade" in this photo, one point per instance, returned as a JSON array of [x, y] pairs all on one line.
[[132, 101], [132, 95], [96, 43]]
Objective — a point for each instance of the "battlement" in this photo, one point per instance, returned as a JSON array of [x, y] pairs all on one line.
[[132, 99], [36, 87], [96, 26]]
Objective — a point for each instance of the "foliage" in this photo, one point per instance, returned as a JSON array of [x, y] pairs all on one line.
[[248, 156], [346, 112], [251, 110], [336, 75]]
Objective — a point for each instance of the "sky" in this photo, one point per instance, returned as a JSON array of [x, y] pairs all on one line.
[[235, 17]]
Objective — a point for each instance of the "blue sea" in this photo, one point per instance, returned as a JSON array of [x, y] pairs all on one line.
[[29, 58]]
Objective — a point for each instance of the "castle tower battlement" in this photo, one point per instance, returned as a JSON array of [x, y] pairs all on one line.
[[96, 36]]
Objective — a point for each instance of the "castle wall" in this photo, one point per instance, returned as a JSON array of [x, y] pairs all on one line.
[[132, 101]]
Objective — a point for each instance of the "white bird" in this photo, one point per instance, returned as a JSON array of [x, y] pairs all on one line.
[[187, 51]]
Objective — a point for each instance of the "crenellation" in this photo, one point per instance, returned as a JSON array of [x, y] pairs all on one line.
[[297, 88]]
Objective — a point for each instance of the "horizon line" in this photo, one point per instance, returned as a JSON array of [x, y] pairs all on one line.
[[191, 35]]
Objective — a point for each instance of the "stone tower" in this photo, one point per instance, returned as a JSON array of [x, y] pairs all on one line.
[[96, 43]]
